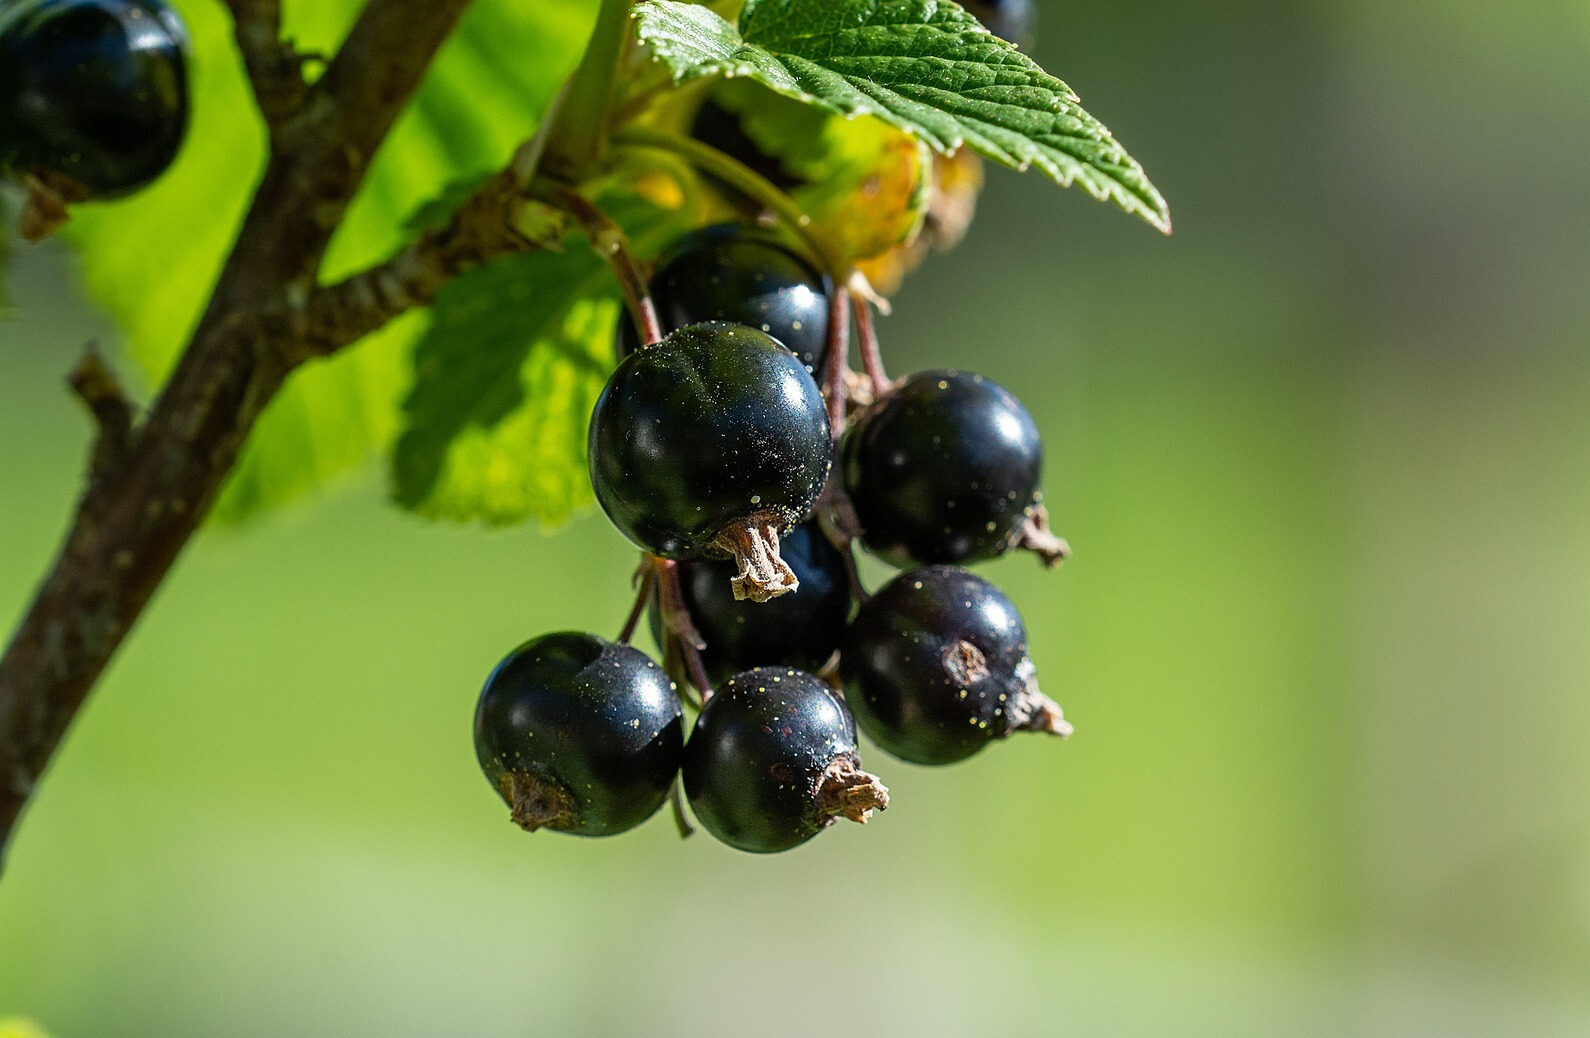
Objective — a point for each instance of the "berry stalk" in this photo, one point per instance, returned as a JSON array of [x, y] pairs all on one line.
[[678, 629], [867, 339], [645, 580], [837, 364], [610, 242]]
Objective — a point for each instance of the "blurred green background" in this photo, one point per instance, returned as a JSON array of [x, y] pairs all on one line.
[[1323, 457]]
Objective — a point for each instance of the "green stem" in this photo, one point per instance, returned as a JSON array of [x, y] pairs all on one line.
[[743, 179], [580, 133]]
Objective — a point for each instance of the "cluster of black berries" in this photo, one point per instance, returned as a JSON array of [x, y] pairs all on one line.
[[93, 94], [711, 450]]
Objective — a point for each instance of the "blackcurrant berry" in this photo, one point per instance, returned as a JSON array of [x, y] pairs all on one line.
[[710, 444], [935, 668], [772, 762], [93, 93], [722, 128], [945, 469], [801, 630], [1008, 19], [731, 272], [579, 734]]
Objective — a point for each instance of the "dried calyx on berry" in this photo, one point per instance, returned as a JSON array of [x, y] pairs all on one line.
[[802, 630], [711, 444], [772, 762], [936, 667]]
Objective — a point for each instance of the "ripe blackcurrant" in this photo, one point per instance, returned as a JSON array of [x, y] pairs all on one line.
[[945, 469], [801, 630], [722, 128], [579, 734], [936, 667], [93, 93], [772, 762], [710, 444], [1008, 19], [732, 272]]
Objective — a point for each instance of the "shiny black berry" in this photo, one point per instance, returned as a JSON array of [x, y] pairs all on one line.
[[93, 93], [732, 272], [1012, 20], [711, 444], [935, 668], [944, 470], [772, 762], [801, 630], [579, 734], [722, 128]]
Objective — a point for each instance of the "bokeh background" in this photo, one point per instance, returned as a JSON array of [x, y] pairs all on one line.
[[1323, 456]]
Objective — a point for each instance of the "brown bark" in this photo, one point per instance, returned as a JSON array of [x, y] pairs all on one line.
[[146, 497]]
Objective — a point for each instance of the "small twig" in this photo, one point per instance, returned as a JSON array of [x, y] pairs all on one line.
[[838, 360], [609, 241], [481, 230], [275, 68], [94, 383], [867, 339], [645, 579]]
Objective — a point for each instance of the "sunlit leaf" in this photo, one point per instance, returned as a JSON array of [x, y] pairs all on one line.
[[926, 66], [152, 259], [506, 375]]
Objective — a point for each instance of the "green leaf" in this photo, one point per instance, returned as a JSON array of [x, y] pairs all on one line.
[[506, 376], [925, 66], [152, 259], [505, 379]]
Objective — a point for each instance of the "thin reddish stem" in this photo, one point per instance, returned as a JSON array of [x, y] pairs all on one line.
[[647, 577], [678, 625], [676, 800], [836, 518], [838, 360], [867, 338], [610, 242]]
